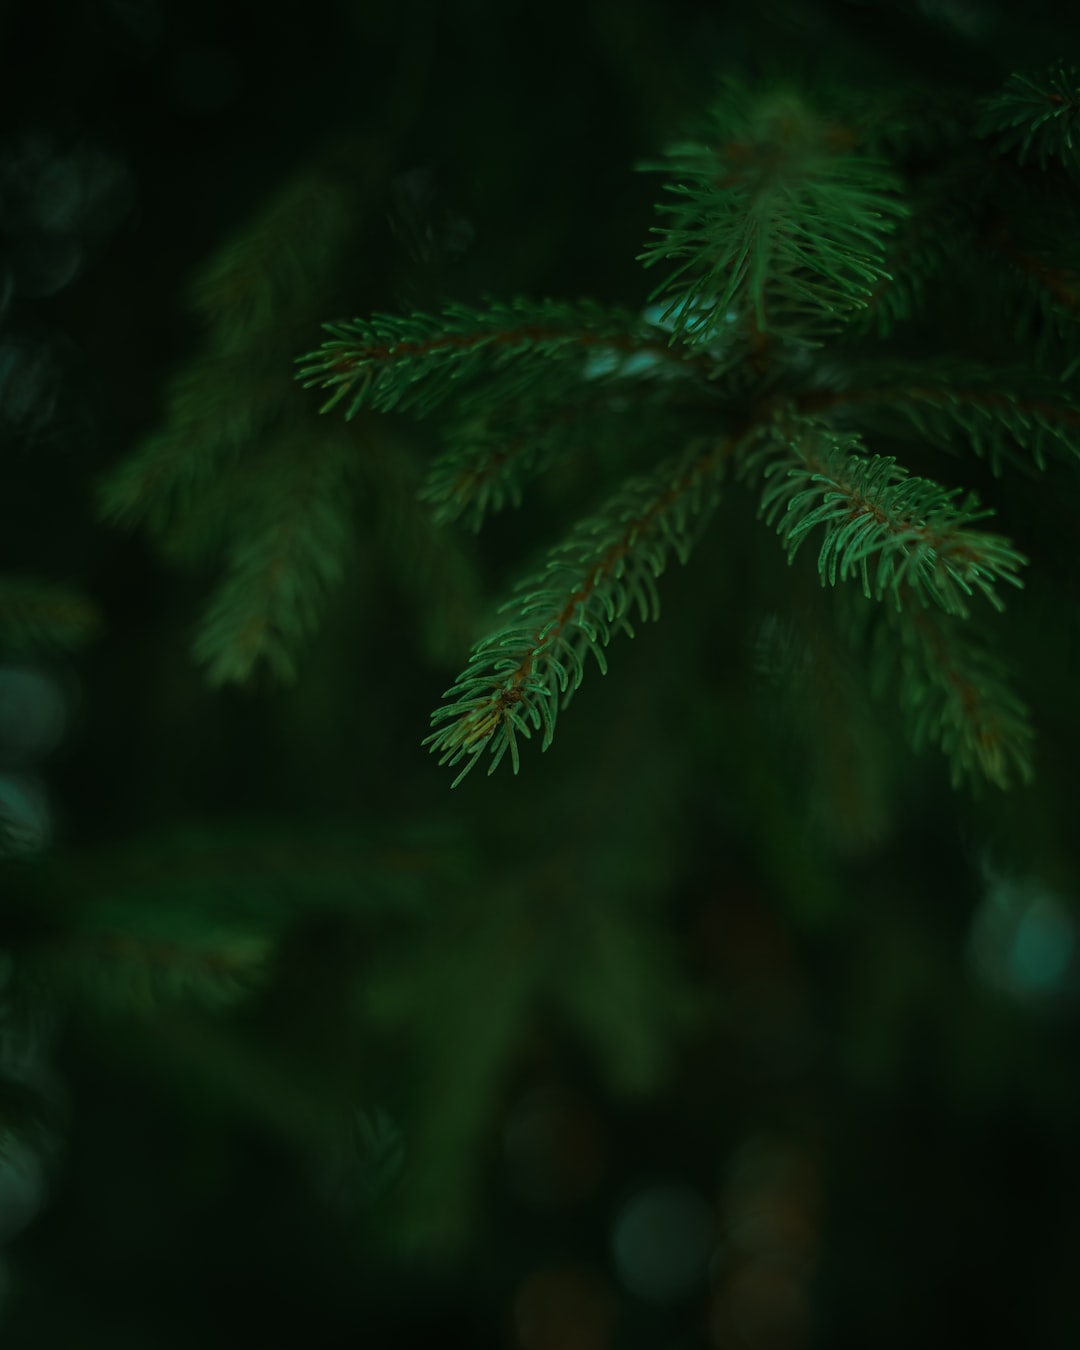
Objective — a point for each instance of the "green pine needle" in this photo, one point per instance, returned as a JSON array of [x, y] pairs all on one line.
[[519, 677], [38, 615], [901, 535], [416, 362], [777, 221], [1036, 115]]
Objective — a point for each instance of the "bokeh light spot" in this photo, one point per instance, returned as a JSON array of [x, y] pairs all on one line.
[[562, 1308], [1023, 937], [663, 1239], [33, 714]]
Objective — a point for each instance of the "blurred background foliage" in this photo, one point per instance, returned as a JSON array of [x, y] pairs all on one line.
[[703, 1031]]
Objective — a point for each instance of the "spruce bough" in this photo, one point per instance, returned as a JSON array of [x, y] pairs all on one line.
[[800, 241], [811, 251]]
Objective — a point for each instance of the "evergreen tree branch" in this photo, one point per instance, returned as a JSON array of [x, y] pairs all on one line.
[[288, 555], [494, 449], [955, 693], [141, 970], [915, 534], [1055, 279], [252, 293], [418, 361], [434, 567], [200, 535], [940, 230], [197, 912], [215, 408], [484, 468], [519, 676], [918, 120], [775, 220], [493, 452], [281, 257], [1037, 116], [43, 615], [986, 410], [1033, 235], [816, 710]]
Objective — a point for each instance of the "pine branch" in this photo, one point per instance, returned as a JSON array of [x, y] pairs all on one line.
[[955, 693], [200, 535], [493, 449], [988, 412], [42, 616], [917, 536], [1036, 115], [818, 709], [926, 249], [251, 294], [776, 221], [194, 481], [519, 676], [289, 555], [139, 970], [416, 362], [280, 258], [433, 567], [918, 120], [214, 409], [196, 912], [1032, 241], [493, 452], [485, 467]]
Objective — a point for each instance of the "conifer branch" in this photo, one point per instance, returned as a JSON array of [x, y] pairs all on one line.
[[1037, 115], [289, 553], [276, 260], [956, 694], [494, 449], [919, 120], [131, 969], [205, 481], [915, 534], [1054, 279], [42, 615], [939, 232], [418, 361], [215, 407], [252, 293], [196, 912], [433, 567], [986, 410], [776, 220], [485, 468], [493, 452], [1036, 235], [520, 676]]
